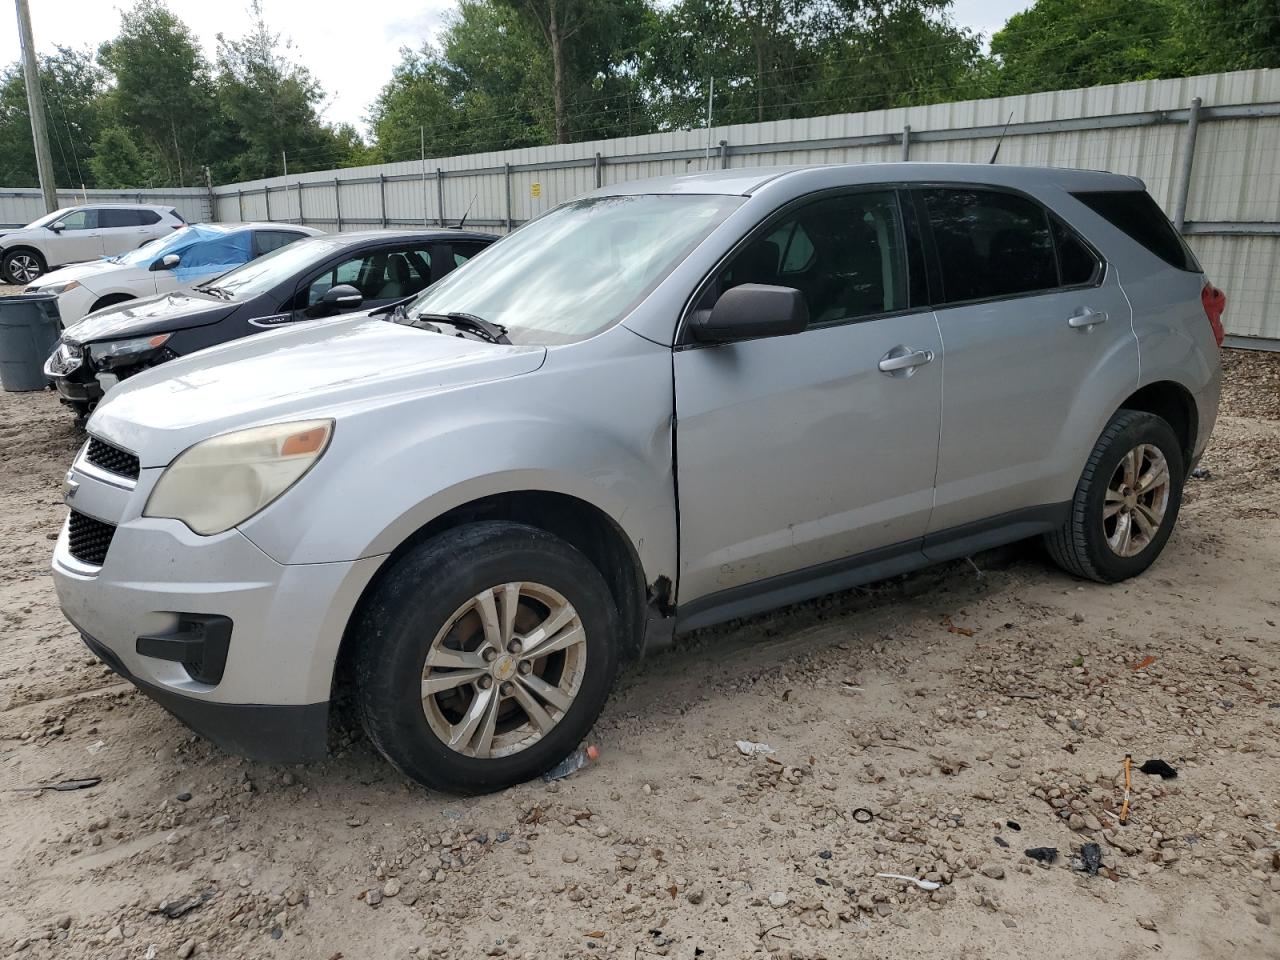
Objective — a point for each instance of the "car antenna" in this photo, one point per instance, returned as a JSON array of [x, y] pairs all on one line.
[[468, 213], [996, 153]]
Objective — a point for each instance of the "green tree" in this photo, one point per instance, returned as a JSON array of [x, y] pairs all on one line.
[[117, 162], [272, 106], [1236, 34], [72, 86], [163, 90], [1059, 44]]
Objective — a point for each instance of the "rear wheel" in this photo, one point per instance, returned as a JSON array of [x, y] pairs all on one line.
[[1126, 502], [23, 266], [484, 657]]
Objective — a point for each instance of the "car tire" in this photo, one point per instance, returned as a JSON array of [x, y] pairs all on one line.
[[22, 266], [1126, 502], [425, 623]]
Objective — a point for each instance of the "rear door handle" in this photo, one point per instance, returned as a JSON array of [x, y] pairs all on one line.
[[903, 358], [1087, 318]]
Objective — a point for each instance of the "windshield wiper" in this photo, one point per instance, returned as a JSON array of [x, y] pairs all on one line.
[[482, 328], [218, 292]]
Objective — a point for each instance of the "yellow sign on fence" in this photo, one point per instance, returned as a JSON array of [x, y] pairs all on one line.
[[535, 189]]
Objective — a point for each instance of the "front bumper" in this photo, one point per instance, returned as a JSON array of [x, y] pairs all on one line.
[[271, 698]]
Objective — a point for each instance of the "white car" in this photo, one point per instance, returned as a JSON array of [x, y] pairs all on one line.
[[76, 234], [183, 258]]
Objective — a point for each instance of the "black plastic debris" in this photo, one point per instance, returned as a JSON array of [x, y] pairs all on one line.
[[1091, 858], [65, 785], [1158, 768], [1001, 841], [1043, 854], [1013, 824]]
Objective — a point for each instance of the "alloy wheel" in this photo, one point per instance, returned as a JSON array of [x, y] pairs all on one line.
[[1136, 499], [504, 670], [23, 268]]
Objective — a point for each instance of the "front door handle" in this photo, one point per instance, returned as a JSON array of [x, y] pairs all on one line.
[[903, 358], [1087, 318]]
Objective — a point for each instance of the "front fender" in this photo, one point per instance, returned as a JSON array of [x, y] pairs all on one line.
[[593, 423]]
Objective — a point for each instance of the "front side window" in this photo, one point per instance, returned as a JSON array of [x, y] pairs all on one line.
[[847, 255], [990, 244], [580, 268], [80, 220], [378, 275]]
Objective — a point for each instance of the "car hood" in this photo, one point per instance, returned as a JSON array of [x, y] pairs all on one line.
[[321, 369], [83, 273], [158, 313]]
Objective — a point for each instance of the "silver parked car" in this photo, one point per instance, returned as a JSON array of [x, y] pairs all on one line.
[[660, 407], [78, 234]]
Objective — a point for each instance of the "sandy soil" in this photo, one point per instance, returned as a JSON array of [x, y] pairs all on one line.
[[946, 705]]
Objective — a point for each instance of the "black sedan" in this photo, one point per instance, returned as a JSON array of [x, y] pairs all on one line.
[[312, 278]]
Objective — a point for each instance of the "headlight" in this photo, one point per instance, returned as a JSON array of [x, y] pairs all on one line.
[[225, 480], [55, 288], [113, 353], [65, 359]]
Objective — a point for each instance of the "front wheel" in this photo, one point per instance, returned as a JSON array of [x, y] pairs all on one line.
[[1126, 502], [23, 266], [484, 656]]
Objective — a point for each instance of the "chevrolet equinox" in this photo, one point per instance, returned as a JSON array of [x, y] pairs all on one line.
[[665, 405]]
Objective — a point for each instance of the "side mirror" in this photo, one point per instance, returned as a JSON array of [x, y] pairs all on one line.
[[167, 262], [57, 227], [751, 311], [342, 297]]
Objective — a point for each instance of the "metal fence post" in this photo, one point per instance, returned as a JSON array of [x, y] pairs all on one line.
[[724, 154], [440, 195], [599, 171], [382, 199], [1188, 159], [337, 201], [240, 204], [906, 142], [302, 218], [506, 174], [266, 192]]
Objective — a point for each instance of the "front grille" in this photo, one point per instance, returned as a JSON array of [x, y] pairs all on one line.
[[112, 459], [89, 539]]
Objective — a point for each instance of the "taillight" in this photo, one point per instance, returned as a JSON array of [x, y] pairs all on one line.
[[1215, 301]]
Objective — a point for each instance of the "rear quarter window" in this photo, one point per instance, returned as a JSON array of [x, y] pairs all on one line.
[[1136, 214]]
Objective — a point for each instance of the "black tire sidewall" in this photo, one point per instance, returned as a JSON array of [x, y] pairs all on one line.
[[424, 589], [8, 267], [1141, 428]]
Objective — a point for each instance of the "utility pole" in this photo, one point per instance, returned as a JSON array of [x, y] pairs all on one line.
[[35, 106]]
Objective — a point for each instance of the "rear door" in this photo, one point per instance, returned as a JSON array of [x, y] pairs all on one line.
[[124, 229], [797, 452], [1035, 327], [264, 241]]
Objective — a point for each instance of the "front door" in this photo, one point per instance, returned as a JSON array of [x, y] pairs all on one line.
[[1038, 335], [795, 453], [78, 238]]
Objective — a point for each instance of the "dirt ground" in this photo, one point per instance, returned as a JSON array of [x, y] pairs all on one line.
[[935, 726]]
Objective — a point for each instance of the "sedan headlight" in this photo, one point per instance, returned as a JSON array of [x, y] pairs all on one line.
[[54, 288], [65, 359], [116, 353], [225, 480]]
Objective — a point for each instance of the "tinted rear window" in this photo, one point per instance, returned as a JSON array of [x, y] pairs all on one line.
[[1138, 215]]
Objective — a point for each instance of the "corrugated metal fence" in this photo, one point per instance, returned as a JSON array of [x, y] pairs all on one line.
[[1208, 148]]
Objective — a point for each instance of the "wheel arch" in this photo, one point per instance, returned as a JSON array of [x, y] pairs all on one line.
[[1173, 403], [110, 300], [583, 525]]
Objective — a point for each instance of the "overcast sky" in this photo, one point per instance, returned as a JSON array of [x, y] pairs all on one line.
[[350, 47]]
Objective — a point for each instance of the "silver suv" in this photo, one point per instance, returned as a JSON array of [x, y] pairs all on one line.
[[662, 406], [77, 234]]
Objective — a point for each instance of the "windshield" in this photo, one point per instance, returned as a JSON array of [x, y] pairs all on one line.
[[260, 275], [580, 268], [48, 218], [176, 242]]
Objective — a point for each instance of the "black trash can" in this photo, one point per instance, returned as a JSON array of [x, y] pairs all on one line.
[[28, 330]]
